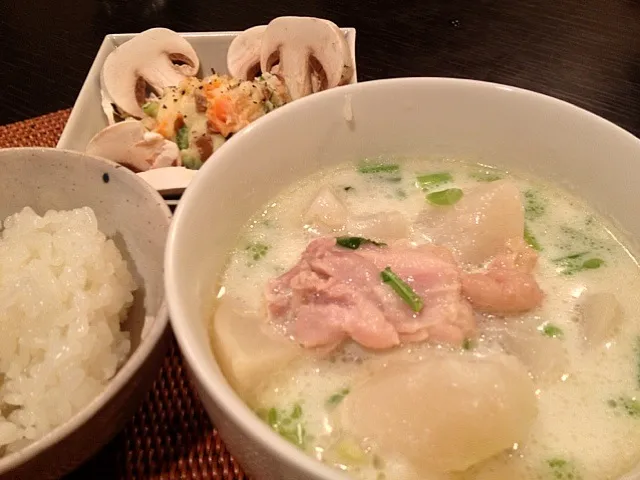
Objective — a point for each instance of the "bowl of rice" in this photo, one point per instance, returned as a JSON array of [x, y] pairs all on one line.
[[83, 320]]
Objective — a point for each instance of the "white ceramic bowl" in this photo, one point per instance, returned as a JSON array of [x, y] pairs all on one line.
[[474, 121], [135, 216]]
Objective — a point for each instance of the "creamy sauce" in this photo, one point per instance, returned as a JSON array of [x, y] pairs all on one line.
[[582, 427]]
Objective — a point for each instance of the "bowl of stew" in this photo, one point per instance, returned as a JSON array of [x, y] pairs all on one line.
[[417, 278]]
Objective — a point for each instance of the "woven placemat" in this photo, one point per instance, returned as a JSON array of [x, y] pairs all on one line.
[[171, 435]]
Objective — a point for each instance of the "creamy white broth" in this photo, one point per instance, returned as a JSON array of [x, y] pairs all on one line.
[[577, 429]]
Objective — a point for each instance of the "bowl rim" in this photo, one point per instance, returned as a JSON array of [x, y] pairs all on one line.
[[133, 362], [223, 395]]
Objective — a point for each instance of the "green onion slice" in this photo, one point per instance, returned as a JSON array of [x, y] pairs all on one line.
[[151, 109], [433, 179], [379, 168], [450, 196], [354, 242], [531, 239], [182, 137], [405, 292], [552, 331]]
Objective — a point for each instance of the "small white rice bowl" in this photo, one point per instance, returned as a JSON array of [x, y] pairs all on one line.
[[64, 291]]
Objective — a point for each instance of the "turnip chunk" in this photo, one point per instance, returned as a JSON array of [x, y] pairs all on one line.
[[383, 226], [327, 210], [544, 357], [600, 317], [480, 224], [447, 412], [247, 347]]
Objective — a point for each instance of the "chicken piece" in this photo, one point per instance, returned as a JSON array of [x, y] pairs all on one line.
[[507, 286], [334, 293], [502, 291]]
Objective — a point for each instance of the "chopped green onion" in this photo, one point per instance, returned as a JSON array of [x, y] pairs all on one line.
[[354, 242], [272, 416], [563, 470], [445, 197], [577, 236], [287, 426], [557, 463], [151, 109], [630, 405], [530, 238], [467, 344], [486, 176], [569, 257], [405, 292], [593, 263], [552, 331], [297, 411], [191, 162], [573, 263], [268, 106], [182, 137], [257, 250], [534, 206], [337, 397], [433, 179], [379, 168]]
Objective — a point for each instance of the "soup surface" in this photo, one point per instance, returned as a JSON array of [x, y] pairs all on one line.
[[435, 320]]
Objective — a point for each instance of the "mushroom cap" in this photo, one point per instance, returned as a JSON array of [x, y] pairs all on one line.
[[243, 56], [146, 60], [301, 45], [129, 144]]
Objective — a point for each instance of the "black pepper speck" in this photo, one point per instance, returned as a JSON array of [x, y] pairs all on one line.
[[105, 177]]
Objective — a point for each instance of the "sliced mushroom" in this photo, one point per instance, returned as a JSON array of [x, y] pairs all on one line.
[[107, 108], [150, 59], [347, 66], [129, 144], [170, 180], [243, 57], [303, 47]]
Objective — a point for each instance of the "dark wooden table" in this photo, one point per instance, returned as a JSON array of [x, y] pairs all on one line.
[[584, 51]]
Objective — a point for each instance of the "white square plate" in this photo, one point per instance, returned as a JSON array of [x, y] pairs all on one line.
[[87, 117]]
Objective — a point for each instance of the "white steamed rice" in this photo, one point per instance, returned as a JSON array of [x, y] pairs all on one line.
[[64, 289]]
